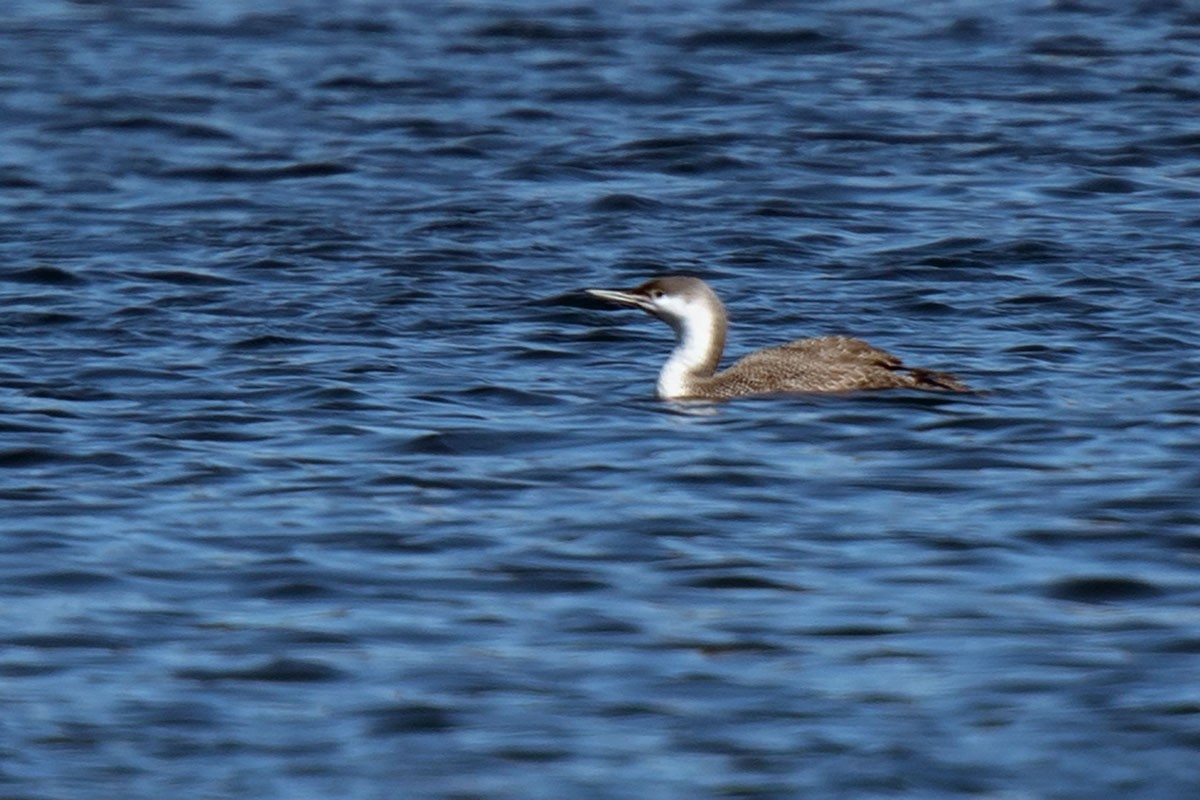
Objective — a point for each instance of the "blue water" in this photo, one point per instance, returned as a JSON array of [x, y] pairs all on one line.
[[321, 478]]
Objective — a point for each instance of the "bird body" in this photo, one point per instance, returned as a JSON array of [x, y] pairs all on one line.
[[825, 364]]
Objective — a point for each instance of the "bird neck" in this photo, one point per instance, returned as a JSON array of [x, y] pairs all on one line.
[[699, 342]]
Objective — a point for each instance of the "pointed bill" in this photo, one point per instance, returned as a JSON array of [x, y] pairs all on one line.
[[624, 297]]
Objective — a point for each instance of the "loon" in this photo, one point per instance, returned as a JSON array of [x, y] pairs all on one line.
[[825, 364]]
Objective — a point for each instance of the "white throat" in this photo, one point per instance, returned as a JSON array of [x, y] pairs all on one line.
[[695, 337]]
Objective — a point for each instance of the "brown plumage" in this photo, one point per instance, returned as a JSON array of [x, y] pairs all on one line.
[[826, 364]]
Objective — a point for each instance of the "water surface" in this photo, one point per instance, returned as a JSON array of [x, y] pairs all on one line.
[[321, 477]]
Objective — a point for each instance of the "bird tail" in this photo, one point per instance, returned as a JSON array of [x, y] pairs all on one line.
[[937, 381]]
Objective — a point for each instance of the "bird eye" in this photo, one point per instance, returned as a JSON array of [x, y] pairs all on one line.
[[656, 294]]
